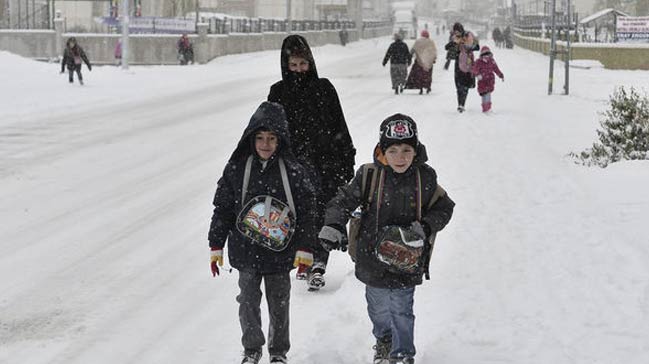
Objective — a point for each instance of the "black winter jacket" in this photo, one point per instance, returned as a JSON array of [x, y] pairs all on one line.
[[244, 254], [319, 134], [397, 207], [70, 53], [398, 53]]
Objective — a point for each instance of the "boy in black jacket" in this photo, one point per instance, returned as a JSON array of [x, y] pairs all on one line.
[[407, 205], [264, 207]]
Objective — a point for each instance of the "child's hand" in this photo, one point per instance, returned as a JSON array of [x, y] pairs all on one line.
[[332, 238], [502, 78]]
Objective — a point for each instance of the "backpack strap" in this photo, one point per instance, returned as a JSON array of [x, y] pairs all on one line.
[[439, 192], [367, 192], [285, 183], [287, 186], [246, 180]]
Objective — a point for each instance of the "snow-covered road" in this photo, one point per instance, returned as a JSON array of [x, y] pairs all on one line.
[[105, 200]]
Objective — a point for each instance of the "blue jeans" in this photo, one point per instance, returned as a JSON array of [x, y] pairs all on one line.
[[390, 311]]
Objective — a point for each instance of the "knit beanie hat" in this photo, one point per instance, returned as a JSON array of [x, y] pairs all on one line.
[[398, 129]]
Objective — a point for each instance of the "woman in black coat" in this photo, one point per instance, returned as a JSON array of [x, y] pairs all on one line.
[[319, 134], [72, 57], [465, 45]]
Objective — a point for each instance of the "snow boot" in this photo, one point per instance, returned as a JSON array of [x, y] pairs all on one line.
[[488, 106], [421, 91], [396, 90], [315, 281], [382, 350], [81, 82], [251, 357], [403, 360], [278, 359], [484, 107], [460, 109]]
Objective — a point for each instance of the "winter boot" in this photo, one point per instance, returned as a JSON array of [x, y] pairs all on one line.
[[421, 91], [460, 109], [81, 82], [396, 90], [485, 108], [251, 357], [382, 350], [428, 90], [401, 88], [315, 281], [403, 360], [278, 359], [489, 106]]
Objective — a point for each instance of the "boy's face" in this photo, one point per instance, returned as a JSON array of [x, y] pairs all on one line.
[[400, 156], [265, 144], [297, 64]]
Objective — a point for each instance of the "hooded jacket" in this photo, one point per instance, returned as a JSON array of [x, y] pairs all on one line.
[[316, 123], [244, 254], [397, 207], [486, 66]]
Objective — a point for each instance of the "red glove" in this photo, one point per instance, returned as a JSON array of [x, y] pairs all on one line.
[[216, 256], [303, 260]]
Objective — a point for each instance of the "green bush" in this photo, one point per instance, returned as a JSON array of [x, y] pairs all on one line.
[[625, 133]]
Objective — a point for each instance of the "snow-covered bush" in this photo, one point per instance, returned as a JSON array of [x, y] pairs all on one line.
[[625, 133]]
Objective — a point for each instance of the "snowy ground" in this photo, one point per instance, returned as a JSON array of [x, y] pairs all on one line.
[[105, 200]]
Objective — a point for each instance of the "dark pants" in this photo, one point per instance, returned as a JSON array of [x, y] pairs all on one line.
[[278, 293], [462, 92], [77, 68]]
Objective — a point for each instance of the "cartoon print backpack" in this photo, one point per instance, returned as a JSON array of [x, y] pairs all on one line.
[[267, 220]]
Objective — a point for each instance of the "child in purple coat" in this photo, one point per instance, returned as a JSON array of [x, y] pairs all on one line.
[[484, 69]]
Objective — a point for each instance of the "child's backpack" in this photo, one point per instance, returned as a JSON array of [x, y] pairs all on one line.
[[264, 219], [398, 249]]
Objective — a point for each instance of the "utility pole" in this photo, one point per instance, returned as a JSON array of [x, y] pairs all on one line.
[[289, 17], [566, 84], [553, 45], [125, 22]]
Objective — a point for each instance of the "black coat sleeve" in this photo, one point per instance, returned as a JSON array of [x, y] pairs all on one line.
[[343, 166], [83, 56], [388, 54], [346, 200], [64, 60], [224, 216], [439, 214], [305, 199]]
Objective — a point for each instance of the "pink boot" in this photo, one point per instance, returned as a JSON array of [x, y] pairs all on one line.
[[488, 106], [484, 107]]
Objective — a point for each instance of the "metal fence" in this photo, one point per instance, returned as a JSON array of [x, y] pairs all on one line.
[[227, 25]]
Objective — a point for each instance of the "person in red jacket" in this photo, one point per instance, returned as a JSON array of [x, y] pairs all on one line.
[[484, 69]]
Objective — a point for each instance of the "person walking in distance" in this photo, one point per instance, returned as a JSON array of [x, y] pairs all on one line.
[[73, 55]]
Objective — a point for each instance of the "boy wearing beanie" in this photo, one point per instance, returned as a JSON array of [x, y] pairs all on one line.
[[398, 224]]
